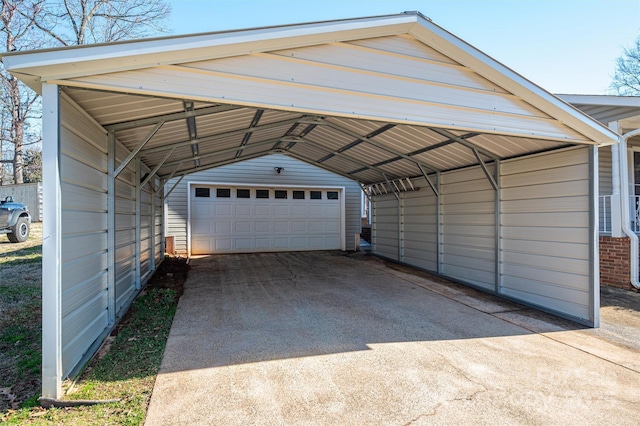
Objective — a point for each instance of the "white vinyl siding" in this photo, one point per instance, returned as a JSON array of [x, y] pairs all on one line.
[[545, 231], [261, 171], [468, 226]]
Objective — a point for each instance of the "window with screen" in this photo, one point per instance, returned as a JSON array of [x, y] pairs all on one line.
[[203, 192], [243, 193]]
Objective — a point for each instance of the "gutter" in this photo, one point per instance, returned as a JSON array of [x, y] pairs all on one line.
[[624, 206]]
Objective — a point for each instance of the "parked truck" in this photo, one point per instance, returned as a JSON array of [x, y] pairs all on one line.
[[15, 220]]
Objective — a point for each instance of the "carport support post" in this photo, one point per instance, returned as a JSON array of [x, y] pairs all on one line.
[[594, 219], [439, 222], [111, 228], [498, 227], [152, 225], [51, 244], [138, 222]]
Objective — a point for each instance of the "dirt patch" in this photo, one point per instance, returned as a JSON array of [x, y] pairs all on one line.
[[171, 274]]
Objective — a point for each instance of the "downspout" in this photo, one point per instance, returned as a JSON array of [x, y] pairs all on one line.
[[623, 181]]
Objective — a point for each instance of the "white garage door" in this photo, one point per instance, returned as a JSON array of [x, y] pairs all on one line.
[[230, 219]]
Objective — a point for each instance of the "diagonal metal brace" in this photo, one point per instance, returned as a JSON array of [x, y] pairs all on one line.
[[175, 185], [391, 187], [135, 152], [156, 168], [485, 170], [464, 142], [433, 187]]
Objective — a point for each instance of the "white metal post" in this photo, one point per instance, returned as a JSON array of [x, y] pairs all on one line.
[[498, 227], [439, 227], [111, 229], [138, 224], [594, 255], [51, 244], [152, 225], [616, 223]]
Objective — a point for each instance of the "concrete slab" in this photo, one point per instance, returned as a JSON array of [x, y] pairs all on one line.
[[328, 338]]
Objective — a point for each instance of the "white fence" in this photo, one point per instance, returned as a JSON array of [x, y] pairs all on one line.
[[29, 194]]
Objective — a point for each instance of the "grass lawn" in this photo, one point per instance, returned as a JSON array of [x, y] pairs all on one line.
[[125, 368]]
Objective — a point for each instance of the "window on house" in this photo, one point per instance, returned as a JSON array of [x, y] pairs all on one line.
[[203, 192], [243, 193], [262, 193], [298, 195], [281, 195], [315, 195], [223, 193], [332, 195]]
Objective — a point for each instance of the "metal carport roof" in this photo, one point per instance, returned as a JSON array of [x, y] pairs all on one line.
[[433, 102]]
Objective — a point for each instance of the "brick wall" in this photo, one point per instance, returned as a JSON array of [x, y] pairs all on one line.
[[614, 262]]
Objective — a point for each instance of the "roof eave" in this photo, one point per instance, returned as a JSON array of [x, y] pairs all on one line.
[[462, 52], [64, 63]]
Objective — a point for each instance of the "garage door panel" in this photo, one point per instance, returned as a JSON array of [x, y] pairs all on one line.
[[243, 243], [262, 243], [263, 226], [244, 210], [222, 210], [316, 226], [298, 210], [280, 211], [223, 244], [223, 227], [230, 224], [298, 226], [299, 243], [280, 226], [243, 227]]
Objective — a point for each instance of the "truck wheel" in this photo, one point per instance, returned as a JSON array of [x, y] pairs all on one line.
[[20, 231]]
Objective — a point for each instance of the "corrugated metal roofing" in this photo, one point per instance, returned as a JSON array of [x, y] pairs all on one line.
[[371, 98]]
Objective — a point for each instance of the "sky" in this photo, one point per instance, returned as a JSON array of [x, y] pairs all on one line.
[[565, 46]]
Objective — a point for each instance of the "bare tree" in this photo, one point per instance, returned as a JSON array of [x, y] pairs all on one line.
[[626, 78], [46, 23], [17, 103], [75, 22]]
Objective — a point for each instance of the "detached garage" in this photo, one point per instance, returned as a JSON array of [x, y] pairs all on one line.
[[271, 203], [473, 172]]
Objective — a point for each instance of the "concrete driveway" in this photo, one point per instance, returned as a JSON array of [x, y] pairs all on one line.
[[328, 338]]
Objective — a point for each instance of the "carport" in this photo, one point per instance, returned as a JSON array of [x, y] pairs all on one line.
[[473, 172]]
